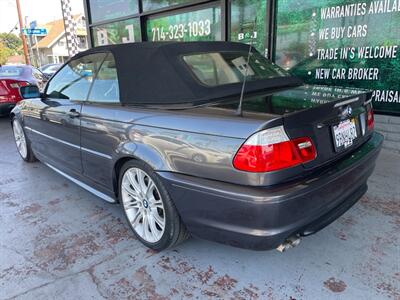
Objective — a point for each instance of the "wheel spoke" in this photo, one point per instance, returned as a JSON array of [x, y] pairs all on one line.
[[145, 227], [129, 190], [153, 228], [138, 216], [150, 188], [132, 204], [140, 176], [133, 182], [159, 220], [157, 204]]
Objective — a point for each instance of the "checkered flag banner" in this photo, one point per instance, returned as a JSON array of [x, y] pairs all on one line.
[[70, 28]]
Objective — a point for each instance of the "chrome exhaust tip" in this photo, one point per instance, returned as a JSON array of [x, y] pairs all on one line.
[[291, 242]]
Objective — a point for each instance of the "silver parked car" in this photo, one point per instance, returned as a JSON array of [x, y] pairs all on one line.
[[164, 130]]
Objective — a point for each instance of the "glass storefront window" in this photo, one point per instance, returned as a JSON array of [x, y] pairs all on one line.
[[343, 43], [157, 4], [127, 31], [200, 25], [249, 22], [110, 9]]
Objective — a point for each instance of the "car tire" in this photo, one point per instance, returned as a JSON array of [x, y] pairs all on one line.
[[21, 141], [148, 208]]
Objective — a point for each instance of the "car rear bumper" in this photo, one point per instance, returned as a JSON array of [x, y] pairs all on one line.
[[262, 218], [6, 107]]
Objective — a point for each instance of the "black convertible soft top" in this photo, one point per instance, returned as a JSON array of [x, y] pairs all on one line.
[[154, 73]]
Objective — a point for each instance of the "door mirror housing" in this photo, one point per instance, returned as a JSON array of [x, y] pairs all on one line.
[[29, 92]]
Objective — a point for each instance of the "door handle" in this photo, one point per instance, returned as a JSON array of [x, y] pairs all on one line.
[[73, 113]]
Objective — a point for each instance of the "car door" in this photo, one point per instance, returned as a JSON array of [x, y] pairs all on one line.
[[100, 126], [56, 119]]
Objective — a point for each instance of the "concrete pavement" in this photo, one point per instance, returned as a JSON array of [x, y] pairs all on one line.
[[58, 241]]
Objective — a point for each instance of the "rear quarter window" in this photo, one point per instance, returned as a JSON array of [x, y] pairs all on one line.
[[220, 68]]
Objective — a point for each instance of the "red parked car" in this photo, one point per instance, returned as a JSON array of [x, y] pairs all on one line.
[[14, 77]]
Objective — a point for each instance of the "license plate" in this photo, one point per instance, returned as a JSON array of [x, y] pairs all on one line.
[[344, 134]]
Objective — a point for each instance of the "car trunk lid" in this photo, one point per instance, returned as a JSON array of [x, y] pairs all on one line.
[[327, 115], [333, 117]]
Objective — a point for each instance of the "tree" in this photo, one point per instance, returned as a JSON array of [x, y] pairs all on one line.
[[5, 53], [11, 41]]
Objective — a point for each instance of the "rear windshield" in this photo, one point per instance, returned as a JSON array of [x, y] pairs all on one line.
[[219, 68], [10, 71]]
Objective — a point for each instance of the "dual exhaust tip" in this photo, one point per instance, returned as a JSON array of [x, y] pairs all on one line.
[[289, 243]]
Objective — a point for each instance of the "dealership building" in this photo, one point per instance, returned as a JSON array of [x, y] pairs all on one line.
[[325, 42]]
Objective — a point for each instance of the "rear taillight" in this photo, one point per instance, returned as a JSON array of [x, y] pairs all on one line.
[[271, 150], [370, 118], [9, 89], [17, 85], [3, 89]]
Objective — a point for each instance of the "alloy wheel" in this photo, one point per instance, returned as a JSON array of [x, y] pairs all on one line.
[[20, 139], [143, 205]]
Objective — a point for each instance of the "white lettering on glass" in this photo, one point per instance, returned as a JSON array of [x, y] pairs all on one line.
[[131, 34], [102, 37]]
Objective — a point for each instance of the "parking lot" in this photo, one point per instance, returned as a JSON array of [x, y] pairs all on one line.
[[59, 241]]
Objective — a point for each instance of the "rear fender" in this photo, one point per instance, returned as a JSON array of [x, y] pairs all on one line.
[[142, 152], [134, 151]]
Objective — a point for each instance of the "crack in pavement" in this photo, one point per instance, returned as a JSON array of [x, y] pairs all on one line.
[[88, 270]]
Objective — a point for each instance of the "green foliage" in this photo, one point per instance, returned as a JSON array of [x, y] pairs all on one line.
[[11, 41], [5, 53]]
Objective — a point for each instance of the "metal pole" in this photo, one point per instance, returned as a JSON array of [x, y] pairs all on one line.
[[21, 25], [29, 44], [38, 54], [30, 50]]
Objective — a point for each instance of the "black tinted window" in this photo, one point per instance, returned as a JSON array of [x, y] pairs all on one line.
[[74, 79], [105, 87]]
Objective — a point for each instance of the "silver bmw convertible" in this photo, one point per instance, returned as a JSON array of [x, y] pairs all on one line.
[[208, 139]]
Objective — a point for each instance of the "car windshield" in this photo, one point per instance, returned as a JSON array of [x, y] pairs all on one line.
[[53, 68], [220, 68], [10, 71]]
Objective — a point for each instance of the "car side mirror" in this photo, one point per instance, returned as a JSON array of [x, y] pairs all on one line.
[[29, 92]]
